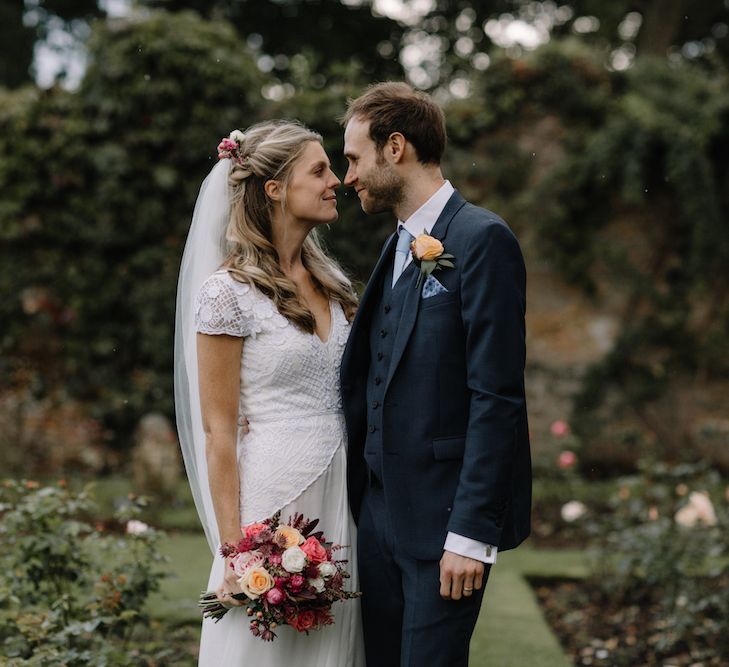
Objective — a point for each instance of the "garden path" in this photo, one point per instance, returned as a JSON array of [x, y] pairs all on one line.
[[511, 631]]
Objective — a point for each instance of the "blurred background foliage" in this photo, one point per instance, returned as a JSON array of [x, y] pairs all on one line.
[[598, 130]]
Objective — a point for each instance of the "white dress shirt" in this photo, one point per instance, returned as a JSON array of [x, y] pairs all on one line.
[[421, 221]]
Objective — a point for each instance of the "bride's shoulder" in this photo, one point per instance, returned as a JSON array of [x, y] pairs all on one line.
[[221, 285], [226, 305]]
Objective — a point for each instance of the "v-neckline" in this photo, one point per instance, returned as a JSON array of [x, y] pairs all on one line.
[[331, 326]]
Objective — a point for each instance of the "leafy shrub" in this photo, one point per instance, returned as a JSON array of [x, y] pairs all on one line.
[[98, 190], [648, 559], [70, 594]]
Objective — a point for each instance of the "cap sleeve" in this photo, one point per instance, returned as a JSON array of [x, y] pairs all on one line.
[[219, 308]]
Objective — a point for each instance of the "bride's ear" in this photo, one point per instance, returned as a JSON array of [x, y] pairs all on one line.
[[273, 190]]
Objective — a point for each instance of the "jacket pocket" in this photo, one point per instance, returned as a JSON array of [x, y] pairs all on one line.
[[451, 447], [438, 300]]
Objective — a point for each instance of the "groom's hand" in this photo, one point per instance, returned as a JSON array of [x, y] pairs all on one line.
[[459, 576]]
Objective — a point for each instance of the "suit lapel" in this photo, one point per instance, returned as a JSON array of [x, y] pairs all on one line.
[[354, 348], [453, 205], [376, 279], [411, 303]]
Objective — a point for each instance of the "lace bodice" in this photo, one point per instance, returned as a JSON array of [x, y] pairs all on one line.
[[289, 392]]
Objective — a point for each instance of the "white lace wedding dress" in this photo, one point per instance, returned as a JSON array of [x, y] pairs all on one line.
[[292, 459]]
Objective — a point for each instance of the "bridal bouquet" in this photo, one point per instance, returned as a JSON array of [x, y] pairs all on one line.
[[288, 575]]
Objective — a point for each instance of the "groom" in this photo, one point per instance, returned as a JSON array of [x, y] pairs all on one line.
[[433, 390]]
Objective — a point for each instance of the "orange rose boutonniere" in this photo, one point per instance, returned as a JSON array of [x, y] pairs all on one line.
[[429, 255]]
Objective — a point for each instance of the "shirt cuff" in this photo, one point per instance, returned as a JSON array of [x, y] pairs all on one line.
[[465, 546]]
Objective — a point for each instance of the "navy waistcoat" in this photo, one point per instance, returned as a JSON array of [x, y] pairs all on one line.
[[383, 330]]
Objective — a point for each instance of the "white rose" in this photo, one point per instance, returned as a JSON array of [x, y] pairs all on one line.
[[317, 584], [237, 136], [327, 570], [699, 510], [572, 510], [293, 559], [135, 527]]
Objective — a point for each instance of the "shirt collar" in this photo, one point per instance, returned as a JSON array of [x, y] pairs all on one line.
[[424, 218]]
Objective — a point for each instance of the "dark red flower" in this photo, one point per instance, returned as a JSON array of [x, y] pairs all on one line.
[[246, 544], [296, 582], [303, 621]]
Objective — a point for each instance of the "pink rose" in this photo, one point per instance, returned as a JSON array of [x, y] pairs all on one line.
[[314, 551], [566, 459], [560, 428], [296, 582], [252, 530], [275, 596], [244, 561]]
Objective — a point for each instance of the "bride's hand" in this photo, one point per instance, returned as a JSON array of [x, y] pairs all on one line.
[[243, 424], [229, 587]]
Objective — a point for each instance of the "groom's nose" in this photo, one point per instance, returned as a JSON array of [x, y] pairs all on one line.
[[350, 177]]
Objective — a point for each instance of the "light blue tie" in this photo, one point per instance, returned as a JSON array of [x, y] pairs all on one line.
[[404, 240]]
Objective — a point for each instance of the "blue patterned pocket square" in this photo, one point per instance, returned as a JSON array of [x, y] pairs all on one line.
[[431, 287]]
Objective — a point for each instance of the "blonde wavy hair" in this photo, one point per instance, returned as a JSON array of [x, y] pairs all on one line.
[[268, 151]]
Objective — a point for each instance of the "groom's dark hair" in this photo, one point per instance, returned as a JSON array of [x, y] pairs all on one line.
[[394, 106]]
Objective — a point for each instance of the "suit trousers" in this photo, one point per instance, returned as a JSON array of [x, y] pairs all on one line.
[[406, 622]]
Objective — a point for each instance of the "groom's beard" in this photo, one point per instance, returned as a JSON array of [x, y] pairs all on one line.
[[384, 189]]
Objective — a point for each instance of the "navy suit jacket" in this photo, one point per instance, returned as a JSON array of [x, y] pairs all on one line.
[[455, 442]]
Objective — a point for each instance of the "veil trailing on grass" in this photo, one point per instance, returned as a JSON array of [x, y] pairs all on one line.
[[205, 251]]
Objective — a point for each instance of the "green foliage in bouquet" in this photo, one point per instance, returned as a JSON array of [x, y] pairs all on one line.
[[71, 594]]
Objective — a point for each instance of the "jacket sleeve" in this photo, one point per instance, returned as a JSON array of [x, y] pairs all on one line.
[[493, 303]]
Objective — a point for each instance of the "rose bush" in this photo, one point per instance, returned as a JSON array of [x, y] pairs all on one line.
[[70, 594]]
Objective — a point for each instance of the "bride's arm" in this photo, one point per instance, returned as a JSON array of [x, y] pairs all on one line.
[[219, 380]]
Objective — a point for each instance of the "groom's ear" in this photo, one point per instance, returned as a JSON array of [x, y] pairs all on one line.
[[395, 147], [273, 190]]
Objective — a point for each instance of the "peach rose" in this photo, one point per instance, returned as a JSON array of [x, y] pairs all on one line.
[[314, 551], [426, 248], [255, 582], [288, 537]]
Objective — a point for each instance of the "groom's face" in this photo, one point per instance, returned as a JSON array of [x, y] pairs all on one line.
[[378, 184]]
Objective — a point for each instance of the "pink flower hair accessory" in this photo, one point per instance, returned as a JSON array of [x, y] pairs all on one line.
[[230, 148]]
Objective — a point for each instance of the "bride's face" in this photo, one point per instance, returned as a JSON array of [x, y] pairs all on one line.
[[310, 194]]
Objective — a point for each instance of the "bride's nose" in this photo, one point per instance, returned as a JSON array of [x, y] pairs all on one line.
[[334, 181]]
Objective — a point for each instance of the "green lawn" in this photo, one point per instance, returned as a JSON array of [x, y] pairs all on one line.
[[511, 631]]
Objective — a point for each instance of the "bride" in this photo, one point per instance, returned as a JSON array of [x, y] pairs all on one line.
[[262, 318]]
